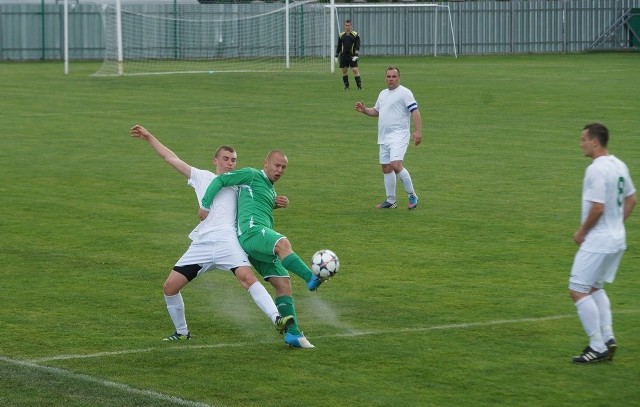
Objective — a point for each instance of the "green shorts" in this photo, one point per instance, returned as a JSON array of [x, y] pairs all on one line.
[[259, 243]]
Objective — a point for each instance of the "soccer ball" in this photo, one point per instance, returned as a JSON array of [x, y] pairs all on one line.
[[325, 263]]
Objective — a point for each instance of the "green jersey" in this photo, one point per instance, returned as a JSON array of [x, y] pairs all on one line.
[[256, 197]]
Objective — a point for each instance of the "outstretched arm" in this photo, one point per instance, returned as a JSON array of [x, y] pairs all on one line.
[[215, 187], [369, 111], [169, 156], [239, 177]]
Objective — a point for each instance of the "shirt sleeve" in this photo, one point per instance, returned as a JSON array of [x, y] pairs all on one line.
[[239, 177], [213, 188], [629, 188], [595, 185], [410, 101]]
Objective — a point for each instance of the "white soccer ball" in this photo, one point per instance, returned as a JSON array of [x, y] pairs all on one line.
[[325, 263]]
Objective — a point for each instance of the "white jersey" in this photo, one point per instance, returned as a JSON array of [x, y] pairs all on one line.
[[394, 108], [606, 181], [224, 208]]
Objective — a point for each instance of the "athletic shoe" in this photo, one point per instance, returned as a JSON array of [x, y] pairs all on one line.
[[178, 337], [387, 205], [346, 88], [359, 87], [591, 356], [612, 347], [413, 201], [297, 341], [283, 323], [314, 283]]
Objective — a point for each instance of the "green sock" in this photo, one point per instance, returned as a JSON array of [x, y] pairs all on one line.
[[286, 307], [294, 264]]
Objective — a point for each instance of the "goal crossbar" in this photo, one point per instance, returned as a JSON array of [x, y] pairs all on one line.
[[444, 7], [144, 38]]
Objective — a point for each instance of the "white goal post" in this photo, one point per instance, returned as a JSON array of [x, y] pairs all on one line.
[[187, 37], [183, 36], [344, 8]]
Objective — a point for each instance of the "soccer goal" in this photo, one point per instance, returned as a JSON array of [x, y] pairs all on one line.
[[164, 38], [399, 28], [184, 36]]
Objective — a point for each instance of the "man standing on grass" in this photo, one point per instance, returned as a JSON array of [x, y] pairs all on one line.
[[394, 107], [270, 252], [348, 53], [214, 243], [608, 198]]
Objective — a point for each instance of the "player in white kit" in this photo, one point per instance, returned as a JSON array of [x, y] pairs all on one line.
[[214, 242], [394, 107], [608, 198]]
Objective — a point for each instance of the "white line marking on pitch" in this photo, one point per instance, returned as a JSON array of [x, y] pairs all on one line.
[[106, 383], [159, 396], [337, 335]]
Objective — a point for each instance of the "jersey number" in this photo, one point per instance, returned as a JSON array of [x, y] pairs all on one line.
[[620, 190]]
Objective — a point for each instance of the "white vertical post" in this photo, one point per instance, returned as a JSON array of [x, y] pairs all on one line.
[[453, 37], [286, 34], [332, 33], [435, 33], [119, 37], [66, 37]]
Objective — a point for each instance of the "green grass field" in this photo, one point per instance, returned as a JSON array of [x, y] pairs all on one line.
[[462, 302]]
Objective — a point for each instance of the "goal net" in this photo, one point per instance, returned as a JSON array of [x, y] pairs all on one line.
[[184, 36], [163, 38], [401, 28]]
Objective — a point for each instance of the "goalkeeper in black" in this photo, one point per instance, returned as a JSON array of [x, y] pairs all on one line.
[[347, 54]]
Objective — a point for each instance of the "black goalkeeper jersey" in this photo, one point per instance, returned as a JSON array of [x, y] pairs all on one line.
[[348, 43]]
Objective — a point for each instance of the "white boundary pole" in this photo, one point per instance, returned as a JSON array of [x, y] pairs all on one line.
[[286, 35], [66, 37], [119, 37], [332, 33], [435, 34], [453, 37]]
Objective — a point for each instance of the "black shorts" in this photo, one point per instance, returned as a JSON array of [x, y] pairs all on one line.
[[346, 62]]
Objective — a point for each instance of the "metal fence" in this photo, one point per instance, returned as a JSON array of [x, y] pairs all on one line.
[[33, 31]]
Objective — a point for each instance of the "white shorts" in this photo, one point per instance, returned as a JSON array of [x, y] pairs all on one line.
[[223, 254], [393, 151], [592, 270]]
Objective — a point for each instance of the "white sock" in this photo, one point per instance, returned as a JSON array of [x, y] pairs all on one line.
[[175, 306], [405, 178], [263, 300], [390, 186], [590, 318], [604, 309]]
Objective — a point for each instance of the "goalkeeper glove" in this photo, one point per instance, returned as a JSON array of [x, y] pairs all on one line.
[[354, 59]]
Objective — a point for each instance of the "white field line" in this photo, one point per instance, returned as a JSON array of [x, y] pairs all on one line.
[[33, 363], [106, 383], [350, 333]]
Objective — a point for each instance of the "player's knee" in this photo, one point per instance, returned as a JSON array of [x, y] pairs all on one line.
[[282, 285], [397, 166], [283, 248], [170, 289], [245, 276], [179, 277]]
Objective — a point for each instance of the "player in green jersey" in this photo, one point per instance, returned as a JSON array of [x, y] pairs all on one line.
[[270, 252]]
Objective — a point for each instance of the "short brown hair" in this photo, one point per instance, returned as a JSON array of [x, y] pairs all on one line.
[[223, 148], [599, 131], [391, 68]]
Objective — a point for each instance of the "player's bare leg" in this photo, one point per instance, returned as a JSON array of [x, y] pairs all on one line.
[[175, 305]]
